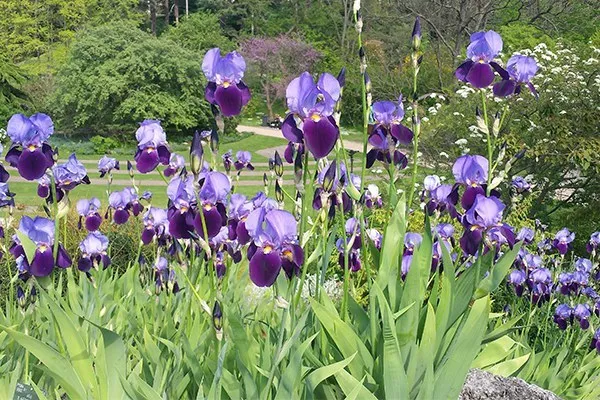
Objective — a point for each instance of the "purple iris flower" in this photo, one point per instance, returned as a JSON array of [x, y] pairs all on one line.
[[540, 284], [444, 231], [227, 160], [88, 209], [584, 265], [372, 197], [595, 344], [331, 182], [384, 150], [354, 263], [225, 86], [6, 196], [375, 236], [41, 232], [531, 261], [582, 313], [238, 209], [243, 160], [517, 278], [215, 188], [182, 199], [593, 243], [519, 71], [152, 146], [156, 224], [484, 215], [431, 182], [30, 152], [69, 175], [526, 235], [313, 103], [443, 198], [478, 69], [405, 266], [275, 246], [563, 316], [176, 163], [120, 202], [411, 241], [165, 279], [471, 172], [106, 165], [93, 252], [520, 185], [562, 241]]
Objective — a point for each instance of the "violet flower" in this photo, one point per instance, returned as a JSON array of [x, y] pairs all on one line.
[[313, 103], [519, 71], [595, 344], [182, 200], [471, 171], [152, 146], [69, 175], [516, 279], [41, 232], [443, 198], [562, 241], [238, 209], [165, 279], [93, 252], [275, 246], [225, 86], [526, 235], [411, 241], [30, 152], [6, 196], [373, 197], [176, 164], [478, 69], [593, 243], [376, 237], [563, 316], [88, 209], [156, 224], [106, 165], [243, 161], [120, 202], [582, 313], [215, 187], [520, 185]]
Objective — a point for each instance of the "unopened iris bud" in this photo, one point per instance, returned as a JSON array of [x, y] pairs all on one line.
[[520, 154], [265, 179], [130, 168], [329, 178], [278, 192], [353, 192], [217, 316], [158, 287], [368, 88], [278, 165], [33, 295], [416, 34], [496, 125], [271, 164], [21, 297], [341, 78], [214, 141], [359, 22], [419, 60], [196, 153]]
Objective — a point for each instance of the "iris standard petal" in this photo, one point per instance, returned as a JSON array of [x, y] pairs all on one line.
[[480, 75], [264, 267], [320, 136]]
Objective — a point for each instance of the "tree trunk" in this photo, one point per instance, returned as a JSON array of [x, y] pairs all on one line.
[[186, 8], [176, 11], [166, 12], [152, 6], [267, 90]]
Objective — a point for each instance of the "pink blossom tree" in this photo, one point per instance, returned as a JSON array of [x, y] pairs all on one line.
[[274, 62]]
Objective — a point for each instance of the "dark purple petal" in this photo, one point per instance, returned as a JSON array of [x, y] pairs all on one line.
[[290, 130], [463, 70], [146, 160], [4, 175], [229, 99], [164, 154], [469, 196], [501, 71], [84, 264], [147, 235], [470, 241], [243, 236], [532, 89], [120, 216], [92, 222], [372, 156], [264, 267], [43, 262], [504, 88], [209, 93], [32, 164], [43, 191], [320, 136], [212, 220], [400, 160], [401, 133], [246, 95], [181, 224], [12, 156], [480, 75]]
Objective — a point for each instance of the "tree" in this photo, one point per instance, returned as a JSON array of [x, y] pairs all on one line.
[[12, 97], [274, 62], [199, 33], [117, 75]]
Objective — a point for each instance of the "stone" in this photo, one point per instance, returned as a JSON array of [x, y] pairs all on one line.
[[482, 385]]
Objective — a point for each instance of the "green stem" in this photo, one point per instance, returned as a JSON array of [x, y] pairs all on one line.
[[416, 125], [490, 149], [303, 216], [276, 354], [324, 263], [55, 215]]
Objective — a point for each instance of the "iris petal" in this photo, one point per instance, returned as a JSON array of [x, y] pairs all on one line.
[[480, 75], [32, 164], [229, 99], [264, 268], [147, 160], [320, 136], [43, 263]]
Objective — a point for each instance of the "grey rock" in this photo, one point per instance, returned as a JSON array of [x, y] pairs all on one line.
[[482, 385]]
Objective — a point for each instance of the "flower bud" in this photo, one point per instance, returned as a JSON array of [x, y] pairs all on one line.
[[416, 34], [33, 295], [196, 153], [217, 316], [341, 78], [278, 192], [214, 141], [271, 164], [329, 178], [265, 179], [21, 297], [130, 168], [353, 192], [278, 165]]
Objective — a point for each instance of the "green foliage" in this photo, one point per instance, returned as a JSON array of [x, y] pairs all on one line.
[[199, 33], [104, 145], [519, 35], [118, 73], [12, 96]]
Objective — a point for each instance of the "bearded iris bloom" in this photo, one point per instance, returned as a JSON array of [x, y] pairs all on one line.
[[484, 216], [176, 164], [88, 209], [582, 313], [152, 146], [69, 175], [563, 316], [30, 152], [41, 232], [526, 235], [243, 161], [215, 187], [6, 196], [225, 86], [120, 202], [519, 71], [156, 224], [238, 209], [106, 165], [471, 172], [164, 276], [93, 252], [313, 104], [182, 199], [562, 241], [478, 69], [593, 243], [274, 245]]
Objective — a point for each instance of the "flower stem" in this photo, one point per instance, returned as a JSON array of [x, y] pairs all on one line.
[[303, 217], [416, 125], [55, 215], [490, 149]]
